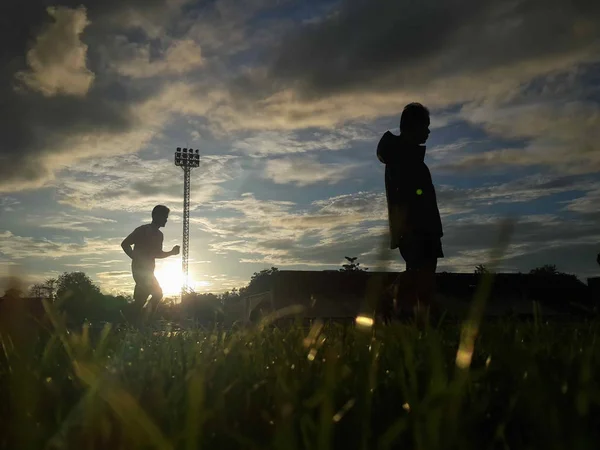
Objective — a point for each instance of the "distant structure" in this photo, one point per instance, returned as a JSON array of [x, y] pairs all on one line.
[[344, 295], [187, 159]]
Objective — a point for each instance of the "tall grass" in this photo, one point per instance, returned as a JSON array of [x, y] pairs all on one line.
[[502, 385], [337, 386]]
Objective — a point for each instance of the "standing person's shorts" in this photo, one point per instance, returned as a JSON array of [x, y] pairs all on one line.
[[418, 251]]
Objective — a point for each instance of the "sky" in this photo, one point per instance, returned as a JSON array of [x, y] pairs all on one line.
[[286, 101]]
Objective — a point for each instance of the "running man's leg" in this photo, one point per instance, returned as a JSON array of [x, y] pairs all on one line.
[[157, 295], [143, 289]]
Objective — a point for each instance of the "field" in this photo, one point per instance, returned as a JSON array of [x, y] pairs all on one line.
[[527, 385]]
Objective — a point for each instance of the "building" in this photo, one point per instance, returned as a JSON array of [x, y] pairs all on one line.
[[344, 295]]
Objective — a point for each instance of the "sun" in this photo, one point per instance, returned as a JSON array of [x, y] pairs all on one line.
[[169, 276]]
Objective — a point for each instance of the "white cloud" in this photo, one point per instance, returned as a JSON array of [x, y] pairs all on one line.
[[587, 204], [64, 221], [57, 60], [266, 143], [8, 204], [132, 184], [20, 247], [563, 137], [306, 171]]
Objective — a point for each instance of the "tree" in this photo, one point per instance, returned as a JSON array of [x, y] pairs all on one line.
[[43, 290], [13, 292], [14, 288], [37, 290], [75, 284], [481, 269], [545, 270], [206, 308], [352, 265], [78, 296], [259, 282], [229, 297]]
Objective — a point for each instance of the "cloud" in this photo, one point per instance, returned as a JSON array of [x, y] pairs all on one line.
[[57, 60], [135, 59], [320, 235], [306, 171], [587, 204], [44, 129], [18, 247], [563, 137], [520, 190], [281, 233], [70, 222], [370, 58], [266, 143], [352, 65], [538, 239], [132, 184], [385, 44], [8, 204]]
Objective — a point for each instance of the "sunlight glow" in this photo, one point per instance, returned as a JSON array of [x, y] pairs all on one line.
[[169, 276]]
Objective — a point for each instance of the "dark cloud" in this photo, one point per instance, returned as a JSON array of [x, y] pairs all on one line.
[[383, 44], [35, 125]]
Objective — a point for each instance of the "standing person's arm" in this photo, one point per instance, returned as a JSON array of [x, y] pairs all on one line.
[[128, 242]]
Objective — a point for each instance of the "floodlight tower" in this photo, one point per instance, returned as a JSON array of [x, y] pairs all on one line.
[[187, 160]]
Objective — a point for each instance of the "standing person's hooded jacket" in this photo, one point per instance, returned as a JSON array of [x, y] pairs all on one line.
[[411, 199]]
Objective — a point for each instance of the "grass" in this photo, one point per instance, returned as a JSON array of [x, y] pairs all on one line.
[[476, 385], [527, 385]]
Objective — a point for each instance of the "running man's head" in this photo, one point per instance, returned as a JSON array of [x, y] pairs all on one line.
[[414, 123], [160, 214]]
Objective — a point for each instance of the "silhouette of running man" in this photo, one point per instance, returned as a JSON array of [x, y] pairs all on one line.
[[147, 241], [414, 219]]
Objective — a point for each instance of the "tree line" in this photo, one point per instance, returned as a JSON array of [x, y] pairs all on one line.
[[75, 294]]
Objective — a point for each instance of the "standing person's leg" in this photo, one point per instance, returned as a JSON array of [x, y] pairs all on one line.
[[426, 284], [406, 285], [421, 254]]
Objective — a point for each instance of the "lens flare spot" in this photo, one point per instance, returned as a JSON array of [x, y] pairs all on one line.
[[464, 357], [419, 191], [338, 416], [364, 321]]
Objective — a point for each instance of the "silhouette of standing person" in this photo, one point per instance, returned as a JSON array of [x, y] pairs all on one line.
[[414, 219], [147, 241]]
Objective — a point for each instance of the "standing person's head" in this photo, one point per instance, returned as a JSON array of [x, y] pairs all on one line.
[[414, 123], [160, 214]]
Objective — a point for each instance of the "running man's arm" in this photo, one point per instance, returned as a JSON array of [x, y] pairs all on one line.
[[160, 254], [128, 242]]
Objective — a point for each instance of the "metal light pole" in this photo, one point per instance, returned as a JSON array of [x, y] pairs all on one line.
[[187, 160]]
